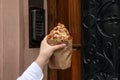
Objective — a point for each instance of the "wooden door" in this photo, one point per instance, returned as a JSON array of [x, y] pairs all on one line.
[[68, 13]]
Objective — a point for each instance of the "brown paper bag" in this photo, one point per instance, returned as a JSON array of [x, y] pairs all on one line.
[[61, 59]]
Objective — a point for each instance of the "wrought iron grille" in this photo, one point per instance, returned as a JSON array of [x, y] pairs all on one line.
[[101, 39]]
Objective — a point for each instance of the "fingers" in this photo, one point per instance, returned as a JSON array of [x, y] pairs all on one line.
[[55, 47], [59, 46]]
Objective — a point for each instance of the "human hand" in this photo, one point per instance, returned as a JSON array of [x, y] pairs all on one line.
[[46, 52]]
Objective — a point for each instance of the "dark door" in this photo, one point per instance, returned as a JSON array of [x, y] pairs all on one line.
[[101, 39]]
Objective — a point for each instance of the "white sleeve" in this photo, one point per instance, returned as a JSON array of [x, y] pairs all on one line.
[[33, 72]]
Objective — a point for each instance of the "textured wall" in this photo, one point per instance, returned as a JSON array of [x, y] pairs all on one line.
[[15, 55], [9, 39]]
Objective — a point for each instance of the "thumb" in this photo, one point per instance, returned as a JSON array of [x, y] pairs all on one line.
[[59, 46]]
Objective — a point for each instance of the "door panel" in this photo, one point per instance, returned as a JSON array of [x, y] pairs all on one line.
[[101, 39], [68, 13]]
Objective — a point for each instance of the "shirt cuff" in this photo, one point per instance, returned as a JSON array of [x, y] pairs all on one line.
[[33, 72], [38, 70]]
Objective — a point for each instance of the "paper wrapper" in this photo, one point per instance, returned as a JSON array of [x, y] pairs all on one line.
[[61, 59]]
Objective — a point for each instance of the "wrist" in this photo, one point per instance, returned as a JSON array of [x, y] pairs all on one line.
[[41, 62]]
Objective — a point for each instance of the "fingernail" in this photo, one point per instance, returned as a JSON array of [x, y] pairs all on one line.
[[63, 45]]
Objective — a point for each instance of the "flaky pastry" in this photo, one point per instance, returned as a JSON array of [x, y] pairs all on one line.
[[59, 35]]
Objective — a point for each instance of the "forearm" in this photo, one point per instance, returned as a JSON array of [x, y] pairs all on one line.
[[41, 61]]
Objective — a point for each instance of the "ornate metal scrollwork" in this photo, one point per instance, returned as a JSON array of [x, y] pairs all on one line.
[[101, 39]]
